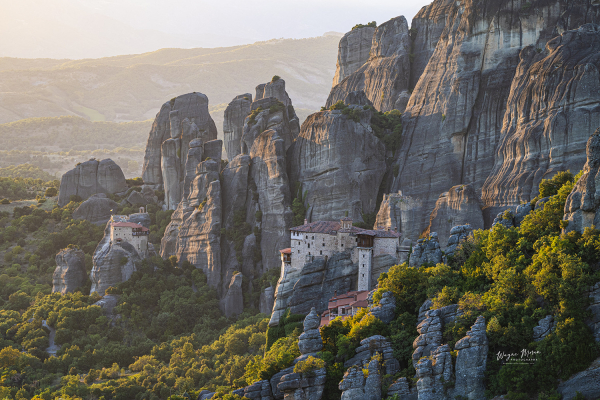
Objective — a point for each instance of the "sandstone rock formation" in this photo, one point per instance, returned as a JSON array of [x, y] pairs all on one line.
[[303, 386], [458, 206], [267, 300], [583, 201], [113, 263], [355, 386], [199, 237], [70, 271], [560, 84], [271, 109], [386, 310], [544, 328], [310, 341], [97, 209], [185, 117], [339, 163], [453, 124], [585, 382], [371, 346], [268, 171], [89, 178], [471, 362], [260, 390], [594, 308], [233, 302], [353, 51], [314, 285], [233, 123], [400, 213], [458, 234], [430, 329], [433, 373], [402, 389], [426, 251], [386, 74]]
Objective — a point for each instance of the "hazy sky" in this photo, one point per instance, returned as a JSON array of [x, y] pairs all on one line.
[[94, 28]]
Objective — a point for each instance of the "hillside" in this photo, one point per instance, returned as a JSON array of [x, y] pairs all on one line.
[[133, 87]]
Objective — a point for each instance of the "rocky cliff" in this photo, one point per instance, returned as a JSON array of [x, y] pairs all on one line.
[[339, 162], [272, 109], [552, 110], [458, 206], [353, 51], [178, 122], [97, 209], [385, 76], [455, 119], [89, 178], [113, 263], [268, 171], [70, 271], [233, 123]]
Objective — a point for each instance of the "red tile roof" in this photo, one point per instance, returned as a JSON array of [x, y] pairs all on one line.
[[332, 227], [286, 251], [129, 225]]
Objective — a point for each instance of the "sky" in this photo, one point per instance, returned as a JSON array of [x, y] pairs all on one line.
[[98, 28]]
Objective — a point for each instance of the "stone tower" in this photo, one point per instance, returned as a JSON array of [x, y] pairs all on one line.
[[365, 256]]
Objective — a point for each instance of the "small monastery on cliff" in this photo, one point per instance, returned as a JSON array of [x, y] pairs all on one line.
[[325, 238]]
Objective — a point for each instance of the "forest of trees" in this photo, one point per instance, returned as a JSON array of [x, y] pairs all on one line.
[[171, 339]]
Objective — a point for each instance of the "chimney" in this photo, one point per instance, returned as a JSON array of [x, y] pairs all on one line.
[[395, 229], [305, 221], [335, 293]]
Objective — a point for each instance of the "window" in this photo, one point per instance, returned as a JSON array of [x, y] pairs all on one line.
[[313, 238], [323, 244], [321, 252], [363, 256], [309, 245], [298, 251], [342, 244]]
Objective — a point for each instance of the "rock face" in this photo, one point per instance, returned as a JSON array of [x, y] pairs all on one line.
[[544, 327], [583, 202], [433, 372], [386, 310], [560, 84], [271, 109], [402, 389], [267, 300], [594, 322], [455, 130], [233, 302], [185, 117], [400, 213], [70, 271], [430, 329], [97, 209], [371, 346], [113, 263], [314, 285], [260, 390], [199, 237], [90, 178], [310, 341], [353, 51], [355, 386], [458, 234], [385, 76], [426, 251], [471, 362], [302, 386], [233, 123], [585, 382], [269, 173], [339, 163], [458, 206]]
